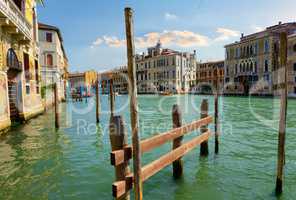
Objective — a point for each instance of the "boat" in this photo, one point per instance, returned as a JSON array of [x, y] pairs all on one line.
[[166, 93]]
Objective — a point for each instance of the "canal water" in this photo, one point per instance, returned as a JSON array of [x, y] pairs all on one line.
[[37, 162]]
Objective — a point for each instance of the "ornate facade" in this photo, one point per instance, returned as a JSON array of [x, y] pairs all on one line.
[[210, 77], [120, 80], [252, 64], [165, 70]]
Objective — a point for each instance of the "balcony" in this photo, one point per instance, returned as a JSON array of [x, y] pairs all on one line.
[[14, 21]]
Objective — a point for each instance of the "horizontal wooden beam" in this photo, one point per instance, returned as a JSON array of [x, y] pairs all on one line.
[[158, 140], [118, 157], [121, 187]]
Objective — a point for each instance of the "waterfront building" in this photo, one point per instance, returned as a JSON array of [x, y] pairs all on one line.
[[210, 76], [20, 97], [292, 65], [120, 80], [165, 70], [85, 79], [251, 64], [53, 61]]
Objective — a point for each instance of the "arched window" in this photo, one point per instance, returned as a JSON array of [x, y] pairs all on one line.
[[49, 60], [12, 60]]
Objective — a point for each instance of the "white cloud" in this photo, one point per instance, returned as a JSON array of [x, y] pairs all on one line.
[[170, 16], [113, 41], [226, 34], [98, 42], [170, 38]]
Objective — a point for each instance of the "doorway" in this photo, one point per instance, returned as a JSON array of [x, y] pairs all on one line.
[[14, 70]]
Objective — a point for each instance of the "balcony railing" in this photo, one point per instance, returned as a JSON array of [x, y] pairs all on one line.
[[12, 12]]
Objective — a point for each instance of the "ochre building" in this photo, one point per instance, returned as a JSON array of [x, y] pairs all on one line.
[[19, 68]]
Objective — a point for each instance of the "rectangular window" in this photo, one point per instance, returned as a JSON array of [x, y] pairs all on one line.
[[48, 37], [27, 72], [295, 90], [295, 79], [266, 46], [295, 67]]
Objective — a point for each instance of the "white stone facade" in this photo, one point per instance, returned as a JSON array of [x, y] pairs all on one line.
[[165, 70]]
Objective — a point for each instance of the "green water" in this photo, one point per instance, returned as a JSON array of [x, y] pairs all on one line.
[[37, 162]]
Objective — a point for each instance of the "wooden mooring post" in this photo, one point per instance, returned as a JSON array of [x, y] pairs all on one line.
[[111, 97], [121, 156], [177, 122], [283, 114], [133, 103], [118, 138], [217, 117], [204, 147], [56, 106], [97, 101]]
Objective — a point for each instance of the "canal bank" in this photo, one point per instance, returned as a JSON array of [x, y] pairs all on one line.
[[36, 162]]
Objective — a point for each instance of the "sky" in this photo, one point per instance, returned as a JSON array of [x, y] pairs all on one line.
[[94, 30]]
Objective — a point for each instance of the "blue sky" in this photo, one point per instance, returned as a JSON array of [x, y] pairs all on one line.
[[94, 30]]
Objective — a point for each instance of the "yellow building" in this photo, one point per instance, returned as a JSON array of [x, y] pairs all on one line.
[[85, 79], [19, 68]]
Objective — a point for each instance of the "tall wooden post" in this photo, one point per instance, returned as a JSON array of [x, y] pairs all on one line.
[[283, 114], [56, 106], [133, 103], [204, 147], [217, 116], [97, 101], [118, 139], [111, 96], [177, 122]]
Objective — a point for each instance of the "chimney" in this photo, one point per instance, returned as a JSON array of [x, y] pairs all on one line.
[[280, 23], [242, 35]]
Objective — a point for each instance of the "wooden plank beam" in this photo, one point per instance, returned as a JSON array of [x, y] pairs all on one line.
[[158, 140], [118, 157], [121, 187]]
